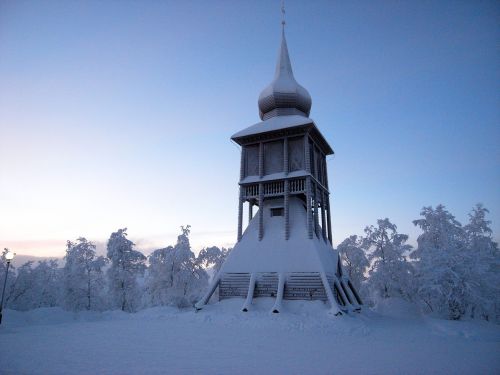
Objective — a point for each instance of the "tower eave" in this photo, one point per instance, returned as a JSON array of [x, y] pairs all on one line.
[[280, 124]]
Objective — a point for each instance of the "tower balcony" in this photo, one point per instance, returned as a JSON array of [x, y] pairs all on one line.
[[275, 188], [274, 184]]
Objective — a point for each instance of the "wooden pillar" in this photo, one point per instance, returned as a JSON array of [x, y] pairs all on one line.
[[308, 206], [307, 154], [316, 205], [285, 156], [328, 213], [250, 211], [308, 187], [261, 159], [240, 214], [241, 196], [287, 211], [242, 163], [286, 196], [261, 210], [323, 213], [329, 219]]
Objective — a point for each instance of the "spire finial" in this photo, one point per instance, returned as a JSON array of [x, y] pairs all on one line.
[[283, 15]]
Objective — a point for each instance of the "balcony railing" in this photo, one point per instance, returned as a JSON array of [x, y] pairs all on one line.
[[275, 188]]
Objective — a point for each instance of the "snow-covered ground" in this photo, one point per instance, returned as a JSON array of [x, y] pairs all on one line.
[[220, 339]]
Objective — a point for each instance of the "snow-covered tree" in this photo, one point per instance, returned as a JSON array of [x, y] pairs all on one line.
[[36, 287], [11, 277], [46, 277], [390, 273], [175, 277], [160, 276], [82, 276], [483, 267], [213, 257], [127, 265], [441, 262], [20, 297], [354, 259]]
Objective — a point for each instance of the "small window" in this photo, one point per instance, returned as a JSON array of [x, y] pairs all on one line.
[[277, 211]]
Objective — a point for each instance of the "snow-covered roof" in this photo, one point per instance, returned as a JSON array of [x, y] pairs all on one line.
[[274, 176], [273, 124], [278, 123]]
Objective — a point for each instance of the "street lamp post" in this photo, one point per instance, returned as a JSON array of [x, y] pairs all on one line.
[[9, 256]]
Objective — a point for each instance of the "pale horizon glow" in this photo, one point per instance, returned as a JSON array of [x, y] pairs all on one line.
[[119, 114]]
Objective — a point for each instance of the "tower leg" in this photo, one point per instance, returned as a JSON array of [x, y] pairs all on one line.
[[348, 305], [308, 206], [350, 295], [323, 213], [206, 297], [329, 223], [334, 306], [355, 292], [287, 211], [251, 288], [316, 204], [279, 296], [250, 212], [261, 211], [240, 215]]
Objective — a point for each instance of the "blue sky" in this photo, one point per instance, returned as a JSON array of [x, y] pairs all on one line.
[[118, 114]]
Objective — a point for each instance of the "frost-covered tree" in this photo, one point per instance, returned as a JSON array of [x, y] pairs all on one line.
[[82, 276], [441, 263], [354, 259], [10, 280], [127, 265], [21, 295], [483, 267], [213, 257], [175, 276], [46, 277], [160, 276], [389, 271], [36, 287]]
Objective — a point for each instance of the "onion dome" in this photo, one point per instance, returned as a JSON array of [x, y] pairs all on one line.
[[284, 96]]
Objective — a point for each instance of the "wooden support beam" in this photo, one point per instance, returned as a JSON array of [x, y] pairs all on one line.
[[206, 297], [316, 204], [307, 155], [287, 210], [250, 212], [261, 210], [261, 159], [334, 306], [308, 207], [348, 305], [242, 163], [349, 294], [285, 156], [329, 220], [323, 213], [240, 214], [355, 292], [251, 288], [279, 295]]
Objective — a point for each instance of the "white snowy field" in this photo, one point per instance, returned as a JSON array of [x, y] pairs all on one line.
[[303, 339]]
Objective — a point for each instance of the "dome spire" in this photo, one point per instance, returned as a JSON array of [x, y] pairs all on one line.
[[284, 96], [283, 15]]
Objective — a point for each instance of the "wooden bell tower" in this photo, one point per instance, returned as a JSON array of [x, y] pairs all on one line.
[[285, 251]]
